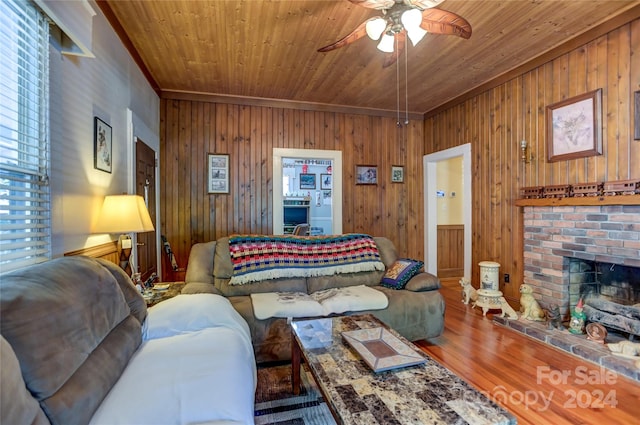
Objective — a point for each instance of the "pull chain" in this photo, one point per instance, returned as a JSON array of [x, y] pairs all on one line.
[[397, 86]]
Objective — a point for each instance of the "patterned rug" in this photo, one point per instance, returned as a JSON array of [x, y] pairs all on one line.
[[275, 403]]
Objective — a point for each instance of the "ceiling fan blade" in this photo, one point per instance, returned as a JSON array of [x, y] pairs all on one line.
[[423, 4], [438, 21], [375, 4], [399, 45], [354, 35]]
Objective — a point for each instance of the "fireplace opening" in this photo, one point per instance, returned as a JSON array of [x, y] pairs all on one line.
[[611, 293]]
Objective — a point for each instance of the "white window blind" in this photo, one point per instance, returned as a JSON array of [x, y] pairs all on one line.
[[25, 236]]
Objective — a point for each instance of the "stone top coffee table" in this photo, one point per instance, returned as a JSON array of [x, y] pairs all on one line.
[[412, 394]]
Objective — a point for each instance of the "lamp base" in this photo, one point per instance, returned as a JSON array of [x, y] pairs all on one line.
[[124, 253]]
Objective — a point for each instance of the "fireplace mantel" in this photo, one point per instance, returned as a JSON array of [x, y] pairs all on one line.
[[582, 201]]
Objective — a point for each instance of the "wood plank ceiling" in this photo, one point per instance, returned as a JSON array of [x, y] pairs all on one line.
[[267, 49]]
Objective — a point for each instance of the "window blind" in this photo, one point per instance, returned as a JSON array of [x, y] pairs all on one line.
[[25, 235]]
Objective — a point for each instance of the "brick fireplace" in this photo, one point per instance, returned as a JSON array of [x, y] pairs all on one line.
[[554, 235], [565, 247]]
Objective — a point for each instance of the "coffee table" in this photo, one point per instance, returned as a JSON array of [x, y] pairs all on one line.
[[415, 394]]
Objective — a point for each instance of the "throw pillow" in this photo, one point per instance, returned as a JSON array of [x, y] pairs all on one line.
[[400, 272]]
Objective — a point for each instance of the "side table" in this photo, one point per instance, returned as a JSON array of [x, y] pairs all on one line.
[[158, 296]]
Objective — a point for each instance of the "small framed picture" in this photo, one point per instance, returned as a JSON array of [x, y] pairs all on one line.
[[366, 174], [307, 181], [218, 168], [325, 181], [574, 127], [397, 174], [102, 159]]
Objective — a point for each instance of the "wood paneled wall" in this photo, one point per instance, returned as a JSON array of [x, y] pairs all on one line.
[[450, 250], [192, 128], [495, 122], [107, 251]]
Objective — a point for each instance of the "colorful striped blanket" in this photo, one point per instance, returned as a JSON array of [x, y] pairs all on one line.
[[262, 257]]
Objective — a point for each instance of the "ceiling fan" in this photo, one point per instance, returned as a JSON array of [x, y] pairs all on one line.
[[402, 18]]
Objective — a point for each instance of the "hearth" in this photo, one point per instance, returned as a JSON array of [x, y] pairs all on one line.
[[591, 241]]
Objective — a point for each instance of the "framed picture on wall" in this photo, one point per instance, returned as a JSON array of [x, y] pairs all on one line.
[[218, 173], [397, 174], [326, 181], [574, 127], [102, 159], [366, 174], [307, 181]]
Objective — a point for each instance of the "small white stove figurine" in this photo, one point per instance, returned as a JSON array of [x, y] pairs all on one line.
[[489, 293]]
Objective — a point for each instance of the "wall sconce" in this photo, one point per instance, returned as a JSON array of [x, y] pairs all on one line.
[[526, 156]]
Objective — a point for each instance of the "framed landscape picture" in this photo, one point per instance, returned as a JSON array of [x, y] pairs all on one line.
[[307, 181], [574, 127], [218, 178]]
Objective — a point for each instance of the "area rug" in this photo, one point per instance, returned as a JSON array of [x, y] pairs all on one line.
[[276, 404]]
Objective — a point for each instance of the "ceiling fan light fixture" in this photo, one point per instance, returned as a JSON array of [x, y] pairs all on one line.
[[375, 28], [416, 34], [386, 43], [411, 20]]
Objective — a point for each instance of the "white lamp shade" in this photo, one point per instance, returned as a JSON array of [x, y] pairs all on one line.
[[386, 43], [411, 20], [123, 214], [416, 34], [375, 28]]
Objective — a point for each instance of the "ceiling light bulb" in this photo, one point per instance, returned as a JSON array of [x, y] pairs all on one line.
[[411, 18], [375, 28], [386, 43], [416, 34]]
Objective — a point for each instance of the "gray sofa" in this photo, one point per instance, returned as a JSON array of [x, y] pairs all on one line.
[[79, 346], [416, 312]]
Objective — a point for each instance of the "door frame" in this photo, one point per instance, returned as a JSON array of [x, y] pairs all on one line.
[[336, 195], [430, 205], [137, 128]]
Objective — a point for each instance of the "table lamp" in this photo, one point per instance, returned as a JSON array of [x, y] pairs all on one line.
[[124, 214]]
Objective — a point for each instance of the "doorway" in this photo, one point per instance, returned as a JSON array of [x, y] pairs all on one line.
[[146, 187], [279, 154], [430, 163]]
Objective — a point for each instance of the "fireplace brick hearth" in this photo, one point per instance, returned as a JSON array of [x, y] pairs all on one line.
[[553, 234]]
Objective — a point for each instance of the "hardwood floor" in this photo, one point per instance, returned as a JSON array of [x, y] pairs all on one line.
[[537, 383]]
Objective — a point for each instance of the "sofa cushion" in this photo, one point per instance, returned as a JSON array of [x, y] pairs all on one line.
[[400, 272], [200, 288], [320, 283], [16, 403], [222, 265], [137, 304], [423, 282], [201, 262], [387, 250], [293, 284], [70, 326]]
